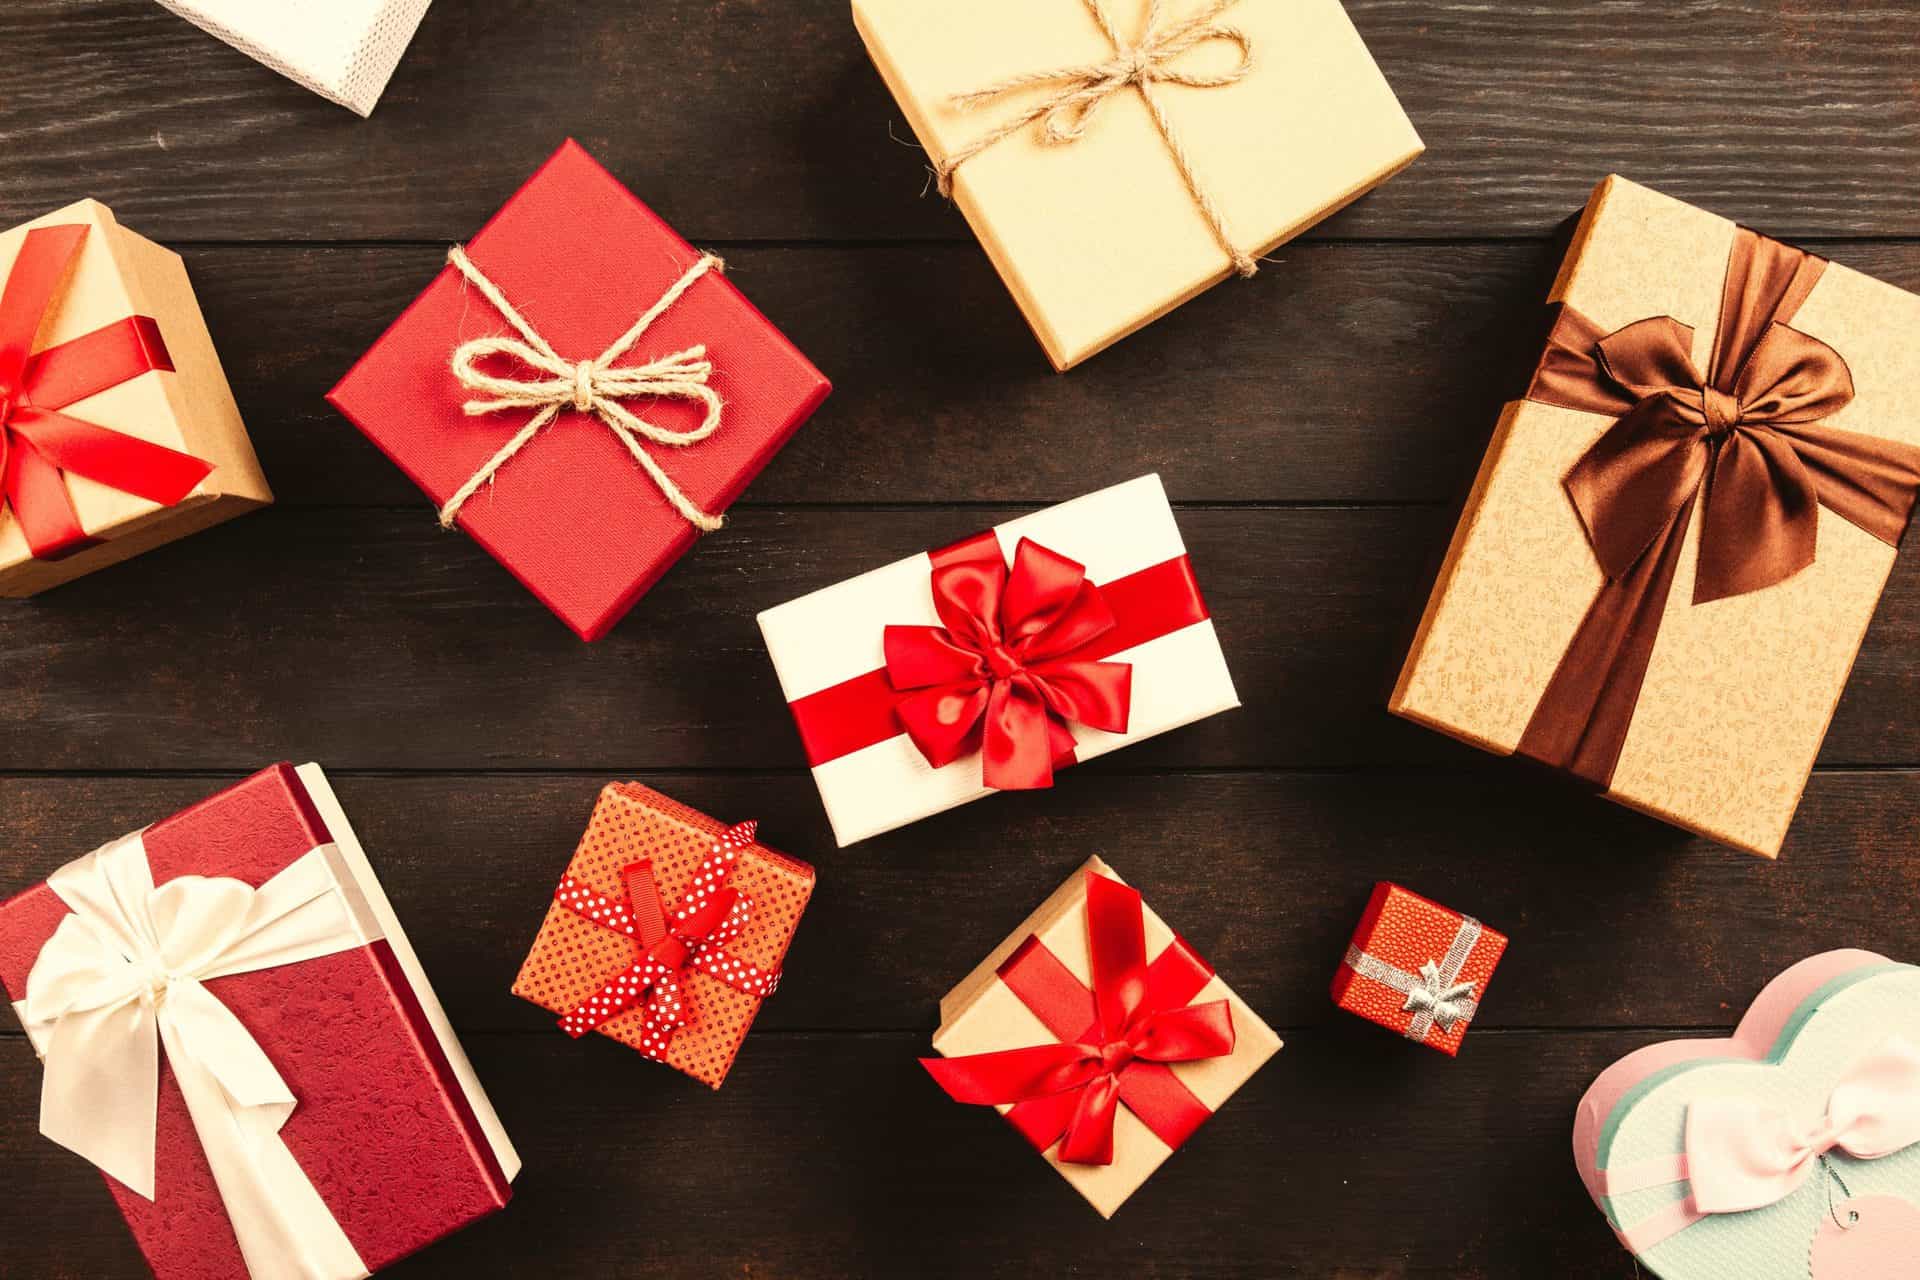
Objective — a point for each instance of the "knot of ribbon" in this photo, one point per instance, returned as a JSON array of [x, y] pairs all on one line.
[[40, 446], [1000, 677], [1141, 1020], [549, 383], [1747, 446], [693, 939], [1444, 1003], [1744, 1154], [1144, 63], [126, 973]]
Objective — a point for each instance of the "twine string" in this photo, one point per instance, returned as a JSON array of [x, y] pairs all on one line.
[[593, 387], [1145, 64]]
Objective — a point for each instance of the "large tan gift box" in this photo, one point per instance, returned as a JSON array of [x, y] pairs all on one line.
[[122, 282], [985, 1014], [1100, 235], [1740, 680]]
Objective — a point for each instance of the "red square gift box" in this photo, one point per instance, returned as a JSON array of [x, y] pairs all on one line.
[[581, 391], [235, 1029], [1417, 968], [1101, 1035], [667, 932]]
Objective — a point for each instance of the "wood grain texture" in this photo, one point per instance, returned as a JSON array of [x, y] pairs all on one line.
[[761, 119], [1315, 428]]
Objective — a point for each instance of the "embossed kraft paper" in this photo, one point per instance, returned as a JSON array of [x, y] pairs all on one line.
[[116, 276], [573, 958], [1099, 236], [1738, 691], [984, 1015]]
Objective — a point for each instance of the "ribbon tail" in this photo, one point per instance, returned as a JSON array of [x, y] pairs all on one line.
[[99, 1097], [36, 493], [1089, 1138], [1580, 724]]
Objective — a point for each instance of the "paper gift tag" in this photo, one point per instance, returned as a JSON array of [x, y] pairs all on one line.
[[1873, 1239]]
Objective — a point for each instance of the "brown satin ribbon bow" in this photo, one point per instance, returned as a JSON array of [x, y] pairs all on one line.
[[1748, 445]]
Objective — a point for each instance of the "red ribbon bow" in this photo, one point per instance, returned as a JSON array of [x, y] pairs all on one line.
[[1141, 1019], [711, 914], [38, 444], [1000, 676]]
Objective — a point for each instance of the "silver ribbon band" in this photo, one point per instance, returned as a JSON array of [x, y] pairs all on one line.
[[1435, 995]]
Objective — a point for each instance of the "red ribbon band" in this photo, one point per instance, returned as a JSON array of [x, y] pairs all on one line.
[[1020, 655], [1115, 1038], [39, 446], [693, 940]]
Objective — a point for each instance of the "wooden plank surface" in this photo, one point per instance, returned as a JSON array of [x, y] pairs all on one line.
[[1315, 428]]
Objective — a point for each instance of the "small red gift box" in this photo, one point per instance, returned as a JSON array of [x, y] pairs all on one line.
[[581, 391], [1417, 968], [314, 1114]]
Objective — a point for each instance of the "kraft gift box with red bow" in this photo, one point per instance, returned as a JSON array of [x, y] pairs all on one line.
[[990, 664], [581, 391], [235, 1029], [1100, 1034], [1678, 537], [1417, 968], [1789, 1150], [117, 429], [667, 932]]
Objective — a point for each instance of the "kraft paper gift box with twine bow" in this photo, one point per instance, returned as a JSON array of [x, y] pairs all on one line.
[[343, 50], [1677, 539], [118, 432], [581, 391], [1102, 1036], [1118, 157], [236, 1031], [667, 932]]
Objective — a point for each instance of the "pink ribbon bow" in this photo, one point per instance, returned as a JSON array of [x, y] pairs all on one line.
[[1744, 1155]]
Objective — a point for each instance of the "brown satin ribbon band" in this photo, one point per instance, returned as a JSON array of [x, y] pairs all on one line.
[[1747, 447]]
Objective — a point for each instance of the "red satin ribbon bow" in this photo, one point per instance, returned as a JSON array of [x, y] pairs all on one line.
[[1000, 676], [38, 444], [693, 940], [1140, 1020]]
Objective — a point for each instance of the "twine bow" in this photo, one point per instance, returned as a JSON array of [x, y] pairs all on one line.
[[1433, 997], [593, 386], [1142, 64]]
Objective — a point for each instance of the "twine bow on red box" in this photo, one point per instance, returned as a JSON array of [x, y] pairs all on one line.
[[1115, 1039], [40, 446], [693, 940]]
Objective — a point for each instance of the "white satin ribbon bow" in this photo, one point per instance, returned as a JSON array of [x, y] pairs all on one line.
[[122, 975], [1745, 1155]]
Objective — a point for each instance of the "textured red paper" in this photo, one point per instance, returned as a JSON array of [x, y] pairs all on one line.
[[572, 516], [382, 1130], [1406, 930]]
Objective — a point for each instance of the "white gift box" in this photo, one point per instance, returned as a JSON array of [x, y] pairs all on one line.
[[343, 50], [832, 641]]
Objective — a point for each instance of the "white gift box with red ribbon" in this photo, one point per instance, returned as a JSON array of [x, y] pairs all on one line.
[[831, 652]]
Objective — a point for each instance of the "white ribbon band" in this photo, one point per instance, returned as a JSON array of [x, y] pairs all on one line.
[[1435, 995], [122, 975]]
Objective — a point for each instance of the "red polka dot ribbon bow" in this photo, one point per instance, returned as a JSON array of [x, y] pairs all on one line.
[[1000, 677], [692, 940], [39, 446], [1115, 1039]]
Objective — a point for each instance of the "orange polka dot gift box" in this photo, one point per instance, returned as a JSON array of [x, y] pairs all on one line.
[[667, 932], [1417, 968]]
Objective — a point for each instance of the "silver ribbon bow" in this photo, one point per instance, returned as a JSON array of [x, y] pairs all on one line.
[[1435, 995]]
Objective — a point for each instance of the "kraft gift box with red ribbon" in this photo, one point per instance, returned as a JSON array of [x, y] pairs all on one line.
[[1102, 1036], [1417, 968], [117, 429], [1118, 157], [1678, 537], [1789, 1150], [667, 932], [581, 392], [992, 663], [234, 1028]]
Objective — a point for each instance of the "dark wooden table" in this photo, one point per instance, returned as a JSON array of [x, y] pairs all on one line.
[[1315, 428]]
